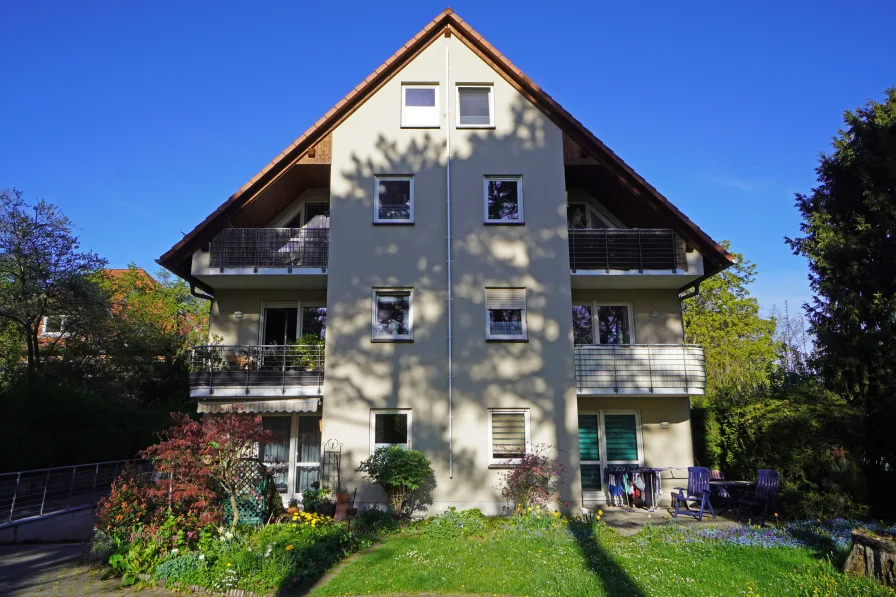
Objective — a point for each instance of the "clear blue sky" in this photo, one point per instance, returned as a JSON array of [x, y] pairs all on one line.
[[139, 118]]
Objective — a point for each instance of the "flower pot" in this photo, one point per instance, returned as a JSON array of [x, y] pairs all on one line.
[[342, 498], [326, 509], [292, 510]]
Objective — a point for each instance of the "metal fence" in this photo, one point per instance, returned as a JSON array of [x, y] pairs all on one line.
[[26, 494], [270, 247], [640, 368], [626, 249], [256, 366]]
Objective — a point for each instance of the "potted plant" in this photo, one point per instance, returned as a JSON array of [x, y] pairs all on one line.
[[341, 495], [304, 353], [310, 498], [325, 503], [293, 506]]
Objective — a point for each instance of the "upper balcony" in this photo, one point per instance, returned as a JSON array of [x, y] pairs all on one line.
[[265, 258], [631, 258], [643, 369]]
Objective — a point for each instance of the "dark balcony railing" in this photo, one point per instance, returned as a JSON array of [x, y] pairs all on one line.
[[270, 247], [256, 367], [625, 249], [640, 368]]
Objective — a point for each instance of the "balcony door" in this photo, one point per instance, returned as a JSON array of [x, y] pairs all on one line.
[[602, 323], [316, 215], [607, 440], [294, 456]]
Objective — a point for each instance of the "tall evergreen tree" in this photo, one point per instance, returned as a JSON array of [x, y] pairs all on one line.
[[849, 228]]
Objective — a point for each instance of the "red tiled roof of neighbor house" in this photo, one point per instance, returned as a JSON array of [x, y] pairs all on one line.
[[450, 23]]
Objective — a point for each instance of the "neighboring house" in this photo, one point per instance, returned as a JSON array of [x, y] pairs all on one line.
[[52, 327], [554, 319]]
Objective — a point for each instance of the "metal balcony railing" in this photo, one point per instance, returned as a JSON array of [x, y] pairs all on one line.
[[270, 247], [256, 366], [640, 368], [625, 249], [39, 492]]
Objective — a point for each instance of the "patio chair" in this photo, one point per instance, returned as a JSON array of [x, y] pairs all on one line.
[[766, 495], [697, 492], [719, 492]]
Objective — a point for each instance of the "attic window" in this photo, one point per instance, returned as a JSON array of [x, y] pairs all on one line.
[[420, 106], [475, 106]]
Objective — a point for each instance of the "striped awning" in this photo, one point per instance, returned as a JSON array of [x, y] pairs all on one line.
[[292, 405]]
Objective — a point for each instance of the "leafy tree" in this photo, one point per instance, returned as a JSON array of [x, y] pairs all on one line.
[[849, 239], [739, 343], [197, 453], [42, 272]]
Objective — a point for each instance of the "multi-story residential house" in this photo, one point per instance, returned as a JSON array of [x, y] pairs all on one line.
[[484, 274]]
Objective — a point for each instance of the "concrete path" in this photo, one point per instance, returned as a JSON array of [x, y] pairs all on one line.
[[627, 522], [56, 571]]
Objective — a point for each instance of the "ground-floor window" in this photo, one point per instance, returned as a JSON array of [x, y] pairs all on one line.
[[607, 438], [390, 428], [294, 457], [508, 435]]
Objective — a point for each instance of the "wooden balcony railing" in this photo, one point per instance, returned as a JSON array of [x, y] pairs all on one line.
[[270, 247], [640, 369], [626, 249], [249, 367]]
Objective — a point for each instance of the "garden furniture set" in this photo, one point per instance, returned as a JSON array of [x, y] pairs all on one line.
[[704, 485]]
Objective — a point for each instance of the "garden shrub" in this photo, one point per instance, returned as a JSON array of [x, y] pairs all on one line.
[[452, 524], [400, 473], [373, 521], [131, 504], [533, 482]]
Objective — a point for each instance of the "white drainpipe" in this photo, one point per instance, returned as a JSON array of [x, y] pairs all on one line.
[[448, 210]]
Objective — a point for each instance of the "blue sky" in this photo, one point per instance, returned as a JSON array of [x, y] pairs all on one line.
[[138, 119]]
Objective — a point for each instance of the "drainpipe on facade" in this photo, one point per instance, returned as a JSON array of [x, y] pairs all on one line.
[[448, 211]]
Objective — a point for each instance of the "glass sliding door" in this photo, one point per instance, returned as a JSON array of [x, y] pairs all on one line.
[[307, 464], [275, 455], [606, 438]]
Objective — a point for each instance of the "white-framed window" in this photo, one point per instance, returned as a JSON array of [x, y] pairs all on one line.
[[607, 438], [505, 314], [503, 198], [602, 323], [393, 315], [393, 200], [390, 428], [420, 106], [508, 435], [475, 106], [52, 326]]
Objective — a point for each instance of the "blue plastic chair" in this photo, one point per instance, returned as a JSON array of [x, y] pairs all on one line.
[[697, 492], [766, 495]]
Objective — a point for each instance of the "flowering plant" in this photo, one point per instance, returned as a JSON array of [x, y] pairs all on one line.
[[532, 482]]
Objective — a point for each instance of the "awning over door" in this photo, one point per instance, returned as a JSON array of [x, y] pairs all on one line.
[[293, 405]]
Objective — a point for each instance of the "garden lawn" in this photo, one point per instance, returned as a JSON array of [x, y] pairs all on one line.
[[504, 559]]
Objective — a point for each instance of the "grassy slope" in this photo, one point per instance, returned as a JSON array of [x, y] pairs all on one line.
[[556, 565]]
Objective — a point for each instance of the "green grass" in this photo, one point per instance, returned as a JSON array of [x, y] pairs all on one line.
[[502, 560]]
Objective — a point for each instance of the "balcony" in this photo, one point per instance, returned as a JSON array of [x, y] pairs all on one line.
[[631, 258], [265, 258], [640, 369], [226, 371]]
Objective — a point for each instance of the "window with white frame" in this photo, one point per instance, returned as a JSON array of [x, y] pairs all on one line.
[[394, 200], [505, 314], [602, 323], [392, 315], [475, 106], [294, 455], [420, 106], [607, 438], [390, 428], [508, 435], [503, 199], [53, 325], [582, 216]]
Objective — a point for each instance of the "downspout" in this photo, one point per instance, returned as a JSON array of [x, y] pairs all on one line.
[[448, 228]]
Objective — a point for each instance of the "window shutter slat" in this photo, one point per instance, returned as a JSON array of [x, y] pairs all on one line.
[[622, 437], [505, 298], [589, 444], [508, 435]]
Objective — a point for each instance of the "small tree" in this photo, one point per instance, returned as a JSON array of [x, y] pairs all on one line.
[[399, 472], [532, 482], [196, 455]]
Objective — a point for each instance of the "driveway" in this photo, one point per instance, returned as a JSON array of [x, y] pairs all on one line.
[[56, 570]]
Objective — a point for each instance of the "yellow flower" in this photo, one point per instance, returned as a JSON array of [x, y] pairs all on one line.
[[288, 548], [228, 564], [600, 512]]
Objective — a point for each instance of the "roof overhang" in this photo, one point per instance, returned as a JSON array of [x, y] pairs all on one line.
[[177, 257]]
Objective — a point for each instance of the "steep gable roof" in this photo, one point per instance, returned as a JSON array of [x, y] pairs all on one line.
[[715, 257]]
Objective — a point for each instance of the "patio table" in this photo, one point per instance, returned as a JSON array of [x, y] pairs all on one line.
[[735, 490]]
